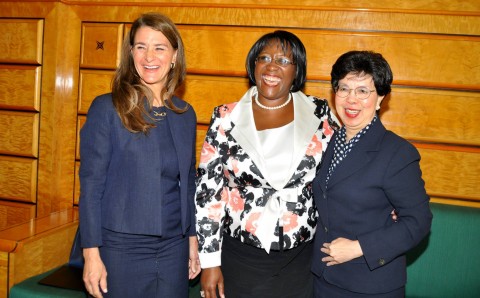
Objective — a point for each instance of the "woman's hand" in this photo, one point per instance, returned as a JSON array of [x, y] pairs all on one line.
[[193, 262], [341, 250], [211, 279], [94, 272]]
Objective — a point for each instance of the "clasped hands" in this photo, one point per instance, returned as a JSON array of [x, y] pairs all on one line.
[[341, 250]]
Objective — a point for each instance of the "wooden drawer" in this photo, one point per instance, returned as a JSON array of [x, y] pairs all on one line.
[[18, 178], [12, 213], [20, 87], [21, 41], [101, 45], [19, 133], [92, 84]]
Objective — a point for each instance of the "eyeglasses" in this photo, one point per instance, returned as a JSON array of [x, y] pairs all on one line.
[[280, 61], [360, 92]]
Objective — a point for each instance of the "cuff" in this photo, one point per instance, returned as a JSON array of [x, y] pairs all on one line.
[[212, 259]]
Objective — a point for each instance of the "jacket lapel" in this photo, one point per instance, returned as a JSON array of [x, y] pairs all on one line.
[[327, 160], [182, 140], [245, 133], [306, 125], [359, 157]]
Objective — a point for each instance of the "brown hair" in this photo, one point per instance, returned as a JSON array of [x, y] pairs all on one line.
[[128, 91]]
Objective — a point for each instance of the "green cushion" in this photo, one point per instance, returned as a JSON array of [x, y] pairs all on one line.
[[30, 288], [447, 262]]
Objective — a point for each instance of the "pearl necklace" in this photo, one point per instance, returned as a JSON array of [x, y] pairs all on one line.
[[273, 108]]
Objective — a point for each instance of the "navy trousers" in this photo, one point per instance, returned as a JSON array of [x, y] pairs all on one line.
[[145, 266]]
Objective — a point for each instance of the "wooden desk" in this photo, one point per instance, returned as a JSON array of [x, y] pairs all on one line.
[[35, 247]]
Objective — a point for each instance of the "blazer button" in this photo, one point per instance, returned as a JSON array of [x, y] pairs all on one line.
[[381, 262], [325, 196], [326, 229]]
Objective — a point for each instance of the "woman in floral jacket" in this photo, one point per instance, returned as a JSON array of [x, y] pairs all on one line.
[[255, 212]]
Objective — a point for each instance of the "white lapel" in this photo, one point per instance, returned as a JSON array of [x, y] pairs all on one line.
[[305, 126], [245, 132]]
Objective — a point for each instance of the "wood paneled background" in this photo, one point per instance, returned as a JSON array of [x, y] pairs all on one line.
[[56, 56]]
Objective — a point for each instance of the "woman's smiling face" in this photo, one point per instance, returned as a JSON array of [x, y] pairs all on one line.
[[274, 81], [357, 113], [152, 56]]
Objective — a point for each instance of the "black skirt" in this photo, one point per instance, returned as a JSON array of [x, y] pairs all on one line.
[[251, 272]]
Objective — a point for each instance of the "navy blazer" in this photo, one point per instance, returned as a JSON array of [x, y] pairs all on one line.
[[120, 176], [381, 173]]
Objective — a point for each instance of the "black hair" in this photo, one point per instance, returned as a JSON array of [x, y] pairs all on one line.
[[364, 62], [287, 40]]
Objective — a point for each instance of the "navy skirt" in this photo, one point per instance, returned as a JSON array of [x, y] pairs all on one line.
[[145, 266]]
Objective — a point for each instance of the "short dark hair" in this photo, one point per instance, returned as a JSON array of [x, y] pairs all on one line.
[[364, 62], [287, 40]]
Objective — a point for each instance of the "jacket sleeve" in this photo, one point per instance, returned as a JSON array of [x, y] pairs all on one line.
[[404, 187], [191, 180], [209, 197], [95, 151]]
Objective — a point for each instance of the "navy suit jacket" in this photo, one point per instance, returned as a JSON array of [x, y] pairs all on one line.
[[120, 174], [381, 173]]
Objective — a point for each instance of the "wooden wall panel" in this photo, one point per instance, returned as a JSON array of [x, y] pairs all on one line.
[[206, 92], [80, 122], [435, 116], [101, 45], [415, 113], [416, 60], [441, 6], [58, 108], [20, 87], [19, 133], [76, 195], [18, 179], [227, 59], [92, 84], [201, 133], [21, 41], [12, 213], [451, 172], [323, 14]]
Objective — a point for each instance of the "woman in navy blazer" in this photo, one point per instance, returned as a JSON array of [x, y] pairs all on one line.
[[367, 172], [137, 173]]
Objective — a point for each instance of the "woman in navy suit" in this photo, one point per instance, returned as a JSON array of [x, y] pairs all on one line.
[[367, 171], [137, 173]]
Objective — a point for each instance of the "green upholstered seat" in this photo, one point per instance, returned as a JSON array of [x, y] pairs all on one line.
[[447, 263], [30, 288]]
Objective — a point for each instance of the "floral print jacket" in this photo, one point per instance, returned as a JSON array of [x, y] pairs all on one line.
[[232, 188]]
